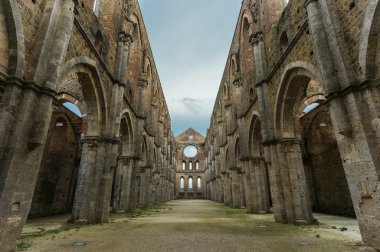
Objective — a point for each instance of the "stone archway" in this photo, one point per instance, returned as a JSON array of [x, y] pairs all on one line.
[[57, 178], [12, 49], [258, 172], [94, 179], [291, 194], [122, 196]]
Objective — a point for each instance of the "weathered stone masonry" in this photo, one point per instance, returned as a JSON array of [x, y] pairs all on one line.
[[190, 171], [119, 152], [295, 126]]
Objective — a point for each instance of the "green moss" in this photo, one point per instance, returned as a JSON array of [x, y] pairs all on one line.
[[22, 246], [139, 212], [43, 232]]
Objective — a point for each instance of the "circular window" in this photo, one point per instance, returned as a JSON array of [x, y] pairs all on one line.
[[190, 151]]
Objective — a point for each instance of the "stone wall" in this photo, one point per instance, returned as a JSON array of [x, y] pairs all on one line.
[[61, 51], [55, 187], [332, 169], [187, 166]]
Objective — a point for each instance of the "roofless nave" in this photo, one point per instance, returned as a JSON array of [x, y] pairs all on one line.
[[265, 148]]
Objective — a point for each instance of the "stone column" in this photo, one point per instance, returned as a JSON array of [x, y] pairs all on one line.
[[250, 193], [142, 188], [354, 116], [242, 188], [122, 56], [238, 84], [262, 185], [326, 63], [283, 205], [123, 184], [90, 204], [132, 203], [236, 197], [25, 113], [228, 189], [149, 186]]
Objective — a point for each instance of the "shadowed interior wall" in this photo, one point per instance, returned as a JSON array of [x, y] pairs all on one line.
[[331, 193], [4, 51], [57, 177]]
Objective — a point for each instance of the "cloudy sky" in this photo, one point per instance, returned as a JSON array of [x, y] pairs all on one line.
[[190, 40]]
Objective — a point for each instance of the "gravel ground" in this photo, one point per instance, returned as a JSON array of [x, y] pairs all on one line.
[[196, 225]]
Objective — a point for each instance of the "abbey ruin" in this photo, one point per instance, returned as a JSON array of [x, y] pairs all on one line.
[[295, 127]]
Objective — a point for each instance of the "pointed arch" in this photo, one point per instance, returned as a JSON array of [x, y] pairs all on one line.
[[293, 86], [93, 91], [144, 150], [237, 152], [247, 65], [369, 51], [255, 138], [126, 135], [190, 185], [12, 51]]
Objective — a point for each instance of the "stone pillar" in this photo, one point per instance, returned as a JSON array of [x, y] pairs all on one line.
[[227, 105], [236, 197], [284, 187], [25, 112], [262, 187], [354, 116], [242, 188], [149, 186], [122, 56], [132, 203], [326, 63], [238, 84], [123, 185], [142, 188], [250, 193], [227, 189], [91, 196]]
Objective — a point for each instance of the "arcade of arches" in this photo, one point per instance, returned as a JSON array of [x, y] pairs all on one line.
[[85, 128]]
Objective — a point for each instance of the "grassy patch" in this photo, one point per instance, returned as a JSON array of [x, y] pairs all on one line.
[[22, 246], [138, 212], [43, 232]]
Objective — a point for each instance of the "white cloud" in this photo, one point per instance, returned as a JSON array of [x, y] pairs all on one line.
[[190, 40]]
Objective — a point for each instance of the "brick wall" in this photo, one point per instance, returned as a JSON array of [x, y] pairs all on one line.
[[56, 182], [330, 188], [4, 51]]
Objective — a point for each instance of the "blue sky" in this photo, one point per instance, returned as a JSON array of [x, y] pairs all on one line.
[[190, 40]]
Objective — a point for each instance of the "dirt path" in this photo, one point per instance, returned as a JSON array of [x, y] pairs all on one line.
[[197, 225]]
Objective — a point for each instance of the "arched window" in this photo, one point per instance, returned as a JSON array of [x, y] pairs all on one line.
[[183, 165], [191, 166], [284, 42], [190, 184], [99, 42], [197, 166], [73, 108], [61, 123], [182, 185], [1, 93], [95, 7], [199, 183]]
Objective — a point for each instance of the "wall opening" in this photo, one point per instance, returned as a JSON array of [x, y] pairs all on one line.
[[190, 185], [182, 184], [56, 183], [199, 184]]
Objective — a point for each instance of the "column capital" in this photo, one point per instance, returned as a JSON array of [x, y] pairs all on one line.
[[143, 83], [125, 38], [256, 38], [307, 2], [227, 103], [238, 82]]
